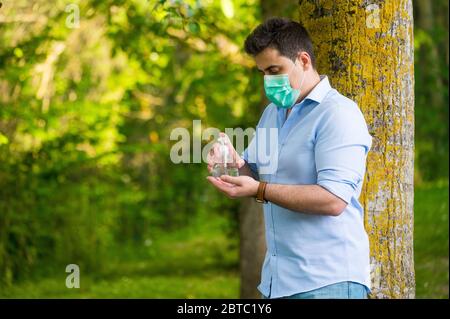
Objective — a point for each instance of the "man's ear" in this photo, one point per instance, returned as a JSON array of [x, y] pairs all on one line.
[[305, 59]]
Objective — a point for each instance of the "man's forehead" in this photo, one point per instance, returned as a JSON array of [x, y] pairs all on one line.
[[269, 57]]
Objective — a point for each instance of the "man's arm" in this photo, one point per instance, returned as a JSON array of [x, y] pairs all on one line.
[[313, 199]]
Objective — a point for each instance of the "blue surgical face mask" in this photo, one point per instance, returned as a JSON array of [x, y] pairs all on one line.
[[279, 90]]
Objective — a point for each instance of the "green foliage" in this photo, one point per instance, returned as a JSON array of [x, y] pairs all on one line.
[[85, 119], [431, 90]]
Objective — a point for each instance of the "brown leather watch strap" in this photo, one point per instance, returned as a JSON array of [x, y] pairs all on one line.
[[260, 192]]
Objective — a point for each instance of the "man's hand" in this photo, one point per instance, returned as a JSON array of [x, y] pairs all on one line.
[[214, 155], [235, 186]]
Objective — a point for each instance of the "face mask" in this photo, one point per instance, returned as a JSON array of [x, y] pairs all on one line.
[[279, 91]]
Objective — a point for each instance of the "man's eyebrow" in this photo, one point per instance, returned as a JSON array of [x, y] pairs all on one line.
[[269, 67]]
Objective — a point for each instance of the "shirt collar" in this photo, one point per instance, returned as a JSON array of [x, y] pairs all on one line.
[[320, 90], [317, 94]]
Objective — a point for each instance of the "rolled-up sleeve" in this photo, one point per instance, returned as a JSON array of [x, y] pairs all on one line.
[[342, 144]]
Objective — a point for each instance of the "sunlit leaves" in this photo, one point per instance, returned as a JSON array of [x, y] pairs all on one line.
[[227, 8], [3, 139]]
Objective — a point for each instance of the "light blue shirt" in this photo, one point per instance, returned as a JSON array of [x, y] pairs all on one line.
[[324, 141]]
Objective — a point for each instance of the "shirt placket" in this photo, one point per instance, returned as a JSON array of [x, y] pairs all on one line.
[[284, 127]]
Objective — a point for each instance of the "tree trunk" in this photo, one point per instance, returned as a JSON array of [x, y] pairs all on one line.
[[366, 48], [252, 247]]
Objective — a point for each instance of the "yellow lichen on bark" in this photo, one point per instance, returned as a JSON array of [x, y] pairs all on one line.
[[366, 48]]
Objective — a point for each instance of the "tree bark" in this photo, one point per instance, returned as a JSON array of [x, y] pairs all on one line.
[[366, 48], [252, 247]]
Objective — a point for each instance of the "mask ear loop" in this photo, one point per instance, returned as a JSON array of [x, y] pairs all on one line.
[[303, 79]]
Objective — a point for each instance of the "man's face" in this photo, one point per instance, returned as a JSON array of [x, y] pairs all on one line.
[[270, 62]]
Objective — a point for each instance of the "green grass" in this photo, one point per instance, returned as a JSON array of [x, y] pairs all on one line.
[[213, 285], [196, 262], [201, 261], [431, 240]]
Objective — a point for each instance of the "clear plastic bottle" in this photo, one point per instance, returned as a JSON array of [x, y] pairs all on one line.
[[226, 164]]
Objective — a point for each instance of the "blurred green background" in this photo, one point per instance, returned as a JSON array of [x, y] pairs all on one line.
[[85, 119]]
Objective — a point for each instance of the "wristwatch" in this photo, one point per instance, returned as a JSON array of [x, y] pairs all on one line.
[[260, 193]]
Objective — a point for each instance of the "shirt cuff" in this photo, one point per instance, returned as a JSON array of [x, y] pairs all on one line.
[[342, 190]]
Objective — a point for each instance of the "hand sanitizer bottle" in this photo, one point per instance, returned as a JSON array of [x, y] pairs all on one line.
[[226, 166]]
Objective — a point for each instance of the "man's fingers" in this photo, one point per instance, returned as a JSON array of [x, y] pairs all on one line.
[[214, 183], [240, 162], [221, 185], [213, 154], [231, 179], [226, 184]]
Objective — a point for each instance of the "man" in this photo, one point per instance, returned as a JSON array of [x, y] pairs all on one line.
[[316, 243]]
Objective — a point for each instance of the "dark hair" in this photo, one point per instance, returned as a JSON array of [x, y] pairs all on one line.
[[285, 35]]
